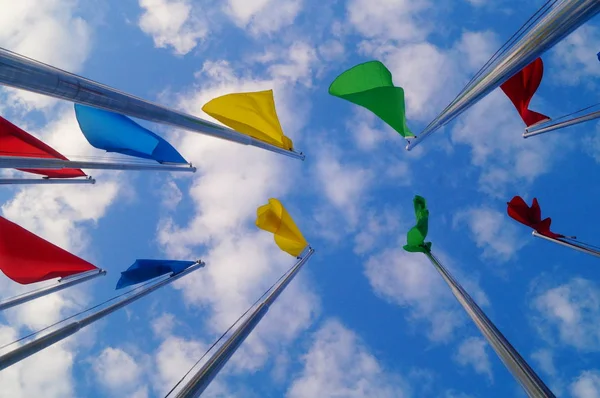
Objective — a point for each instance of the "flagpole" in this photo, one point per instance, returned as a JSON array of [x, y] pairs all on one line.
[[46, 181], [60, 285], [529, 380], [17, 162], [28, 74], [34, 346], [561, 20], [202, 379], [568, 244], [532, 131]]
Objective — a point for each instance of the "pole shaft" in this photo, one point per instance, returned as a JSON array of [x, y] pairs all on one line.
[[17, 162], [31, 75], [529, 380], [567, 244], [45, 181], [560, 21], [202, 379], [530, 132]]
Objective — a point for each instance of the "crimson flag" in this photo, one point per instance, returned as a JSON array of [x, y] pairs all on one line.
[[531, 216]]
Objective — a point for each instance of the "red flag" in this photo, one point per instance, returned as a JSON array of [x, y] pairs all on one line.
[[531, 216], [520, 89], [26, 258], [16, 142]]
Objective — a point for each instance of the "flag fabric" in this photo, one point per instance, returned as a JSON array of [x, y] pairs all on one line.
[[143, 270], [19, 143], [26, 258], [273, 217], [531, 216], [417, 234], [118, 133], [251, 113], [370, 85], [520, 89]]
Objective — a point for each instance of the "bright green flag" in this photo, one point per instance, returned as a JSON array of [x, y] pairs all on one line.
[[416, 236], [370, 86]]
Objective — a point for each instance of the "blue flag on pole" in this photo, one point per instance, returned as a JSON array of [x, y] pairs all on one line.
[[142, 270], [117, 133]]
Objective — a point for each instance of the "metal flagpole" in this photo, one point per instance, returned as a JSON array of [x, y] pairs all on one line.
[[201, 380], [46, 181], [529, 380], [34, 346], [568, 244], [31, 75], [17, 162], [544, 128], [560, 21], [60, 285]]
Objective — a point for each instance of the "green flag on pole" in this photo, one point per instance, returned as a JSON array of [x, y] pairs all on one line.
[[415, 239], [370, 86]]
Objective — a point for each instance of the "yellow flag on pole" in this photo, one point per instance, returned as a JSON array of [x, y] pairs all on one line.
[[273, 217], [251, 113]]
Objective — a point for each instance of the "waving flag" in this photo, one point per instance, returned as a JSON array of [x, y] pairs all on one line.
[[530, 216], [143, 270], [417, 234], [251, 113], [18, 143], [117, 133], [26, 258], [273, 217], [520, 89], [370, 85]]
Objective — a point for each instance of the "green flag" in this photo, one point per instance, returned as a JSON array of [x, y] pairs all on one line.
[[370, 86], [416, 236]]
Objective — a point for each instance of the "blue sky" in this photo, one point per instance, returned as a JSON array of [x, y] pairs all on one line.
[[364, 318]]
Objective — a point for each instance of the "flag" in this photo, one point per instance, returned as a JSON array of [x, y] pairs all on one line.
[[370, 85], [416, 235], [142, 270], [520, 89], [273, 217], [531, 216], [26, 258], [118, 133], [251, 113], [18, 143]]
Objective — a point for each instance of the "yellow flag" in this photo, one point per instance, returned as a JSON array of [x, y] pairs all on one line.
[[252, 114], [273, 217]]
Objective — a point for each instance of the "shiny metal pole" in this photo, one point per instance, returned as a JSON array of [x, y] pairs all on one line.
[[46, 181], [17, 162], [202, 379], [34, 346], [31, 75], [544, 128], [525, 375], [60, 285], [560, 21], [567, 244]]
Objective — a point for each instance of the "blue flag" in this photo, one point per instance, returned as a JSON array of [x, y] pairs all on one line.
[[117, 133], [143, 270]]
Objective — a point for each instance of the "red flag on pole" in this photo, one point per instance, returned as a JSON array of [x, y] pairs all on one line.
[[16, 142], [531, 216], [520, 89], [26, 258]]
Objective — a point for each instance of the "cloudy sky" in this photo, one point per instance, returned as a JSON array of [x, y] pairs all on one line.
[[364, 318]]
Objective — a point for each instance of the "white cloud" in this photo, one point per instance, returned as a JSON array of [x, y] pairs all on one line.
[[173, 23], [478, 47], [574, 60], [263, 16], [545, 360], [587, 385], [120, 373], [492, 231], [338, 365], [377, 225], [472, 352]]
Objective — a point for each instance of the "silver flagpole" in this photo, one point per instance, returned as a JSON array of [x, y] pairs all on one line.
[[34, 346], [46, 181], [201, 380], [31, 75], [544, 128], [16, 162], [529, 380], [568, 244], [60, 285], [561, 20]]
